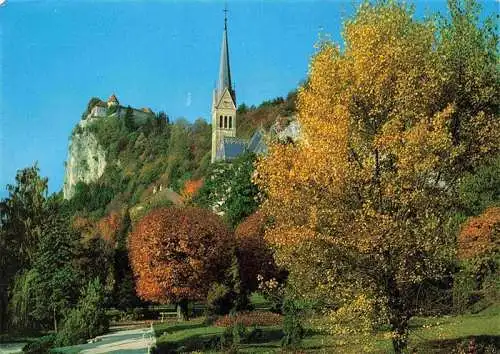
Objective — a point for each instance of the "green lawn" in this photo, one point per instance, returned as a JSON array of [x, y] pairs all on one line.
[[428, 335]]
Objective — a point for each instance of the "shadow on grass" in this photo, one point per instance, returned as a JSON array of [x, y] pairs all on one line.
[[181, 327], [263, 335], [203, 342], [196, 342], [476, 344]]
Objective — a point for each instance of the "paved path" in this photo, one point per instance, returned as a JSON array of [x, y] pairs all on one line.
[[123, 341], [10, 348]]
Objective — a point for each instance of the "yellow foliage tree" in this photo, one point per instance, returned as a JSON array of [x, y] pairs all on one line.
[[362, 204]]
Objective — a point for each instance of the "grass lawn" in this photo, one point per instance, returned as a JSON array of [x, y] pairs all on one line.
[[428, 335]]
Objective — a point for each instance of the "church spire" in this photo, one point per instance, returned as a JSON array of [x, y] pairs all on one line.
[[224, 69]]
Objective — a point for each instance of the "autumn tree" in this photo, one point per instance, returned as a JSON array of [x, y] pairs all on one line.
[[362, 205], [176, 254], [478, 250], [254, 253], [191, 187]]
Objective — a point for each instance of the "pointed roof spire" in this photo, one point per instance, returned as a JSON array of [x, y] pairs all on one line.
[[224, 69]]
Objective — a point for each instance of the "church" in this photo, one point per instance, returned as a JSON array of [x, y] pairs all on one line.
[[225, 145]]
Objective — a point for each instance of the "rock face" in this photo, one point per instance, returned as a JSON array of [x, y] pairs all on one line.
[[86, 160]]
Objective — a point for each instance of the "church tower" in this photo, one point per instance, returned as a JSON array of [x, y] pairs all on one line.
[[224, 101]]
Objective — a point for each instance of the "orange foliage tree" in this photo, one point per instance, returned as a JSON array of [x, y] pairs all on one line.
[[191, 187], [177, 253], [480, 235], [254, 253], [109, 226]]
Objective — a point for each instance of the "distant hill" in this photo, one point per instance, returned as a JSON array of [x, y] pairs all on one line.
[[121, 158], [265, 115]]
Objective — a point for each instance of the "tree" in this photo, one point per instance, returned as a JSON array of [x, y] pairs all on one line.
[[25, 208], [478, 250], [41, 294], [228, 188], [481, 189], [362, 205], [469, 59], [177, 253], [191, 187], [22, 215], [87, 320], [254, 253], [480, 235], [128, 120], [92, 102], [242, 200]]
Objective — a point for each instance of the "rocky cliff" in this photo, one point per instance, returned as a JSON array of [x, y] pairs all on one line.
[[86, 159]]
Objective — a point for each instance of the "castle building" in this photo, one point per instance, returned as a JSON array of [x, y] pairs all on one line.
[[113, 101]]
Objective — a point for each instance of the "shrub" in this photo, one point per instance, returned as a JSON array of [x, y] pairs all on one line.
[[87, 320], [233, 336], [254, 318], [220, 299], [41, 345], [292, 325]]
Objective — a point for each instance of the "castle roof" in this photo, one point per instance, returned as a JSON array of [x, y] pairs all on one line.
[[113, 98]]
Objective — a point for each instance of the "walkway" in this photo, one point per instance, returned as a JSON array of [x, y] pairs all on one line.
[[130, 341]]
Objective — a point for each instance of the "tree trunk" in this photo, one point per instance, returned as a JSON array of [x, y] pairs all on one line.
[[182, 310], [399, 326], [55, 319], [398, 317], [3, 310]]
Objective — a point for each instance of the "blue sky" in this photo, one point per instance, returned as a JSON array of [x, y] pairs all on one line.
[[56, 55]]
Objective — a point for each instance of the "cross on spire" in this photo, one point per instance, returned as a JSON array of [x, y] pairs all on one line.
[[225, 15]]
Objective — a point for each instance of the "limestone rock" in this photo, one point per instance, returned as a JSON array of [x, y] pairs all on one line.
[[86, 160]]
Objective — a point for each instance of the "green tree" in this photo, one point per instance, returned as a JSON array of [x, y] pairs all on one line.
[[242, 200], [229, 188], [481, 189], [22, 215], [42, 294], [88, 319], [468, 54], [128, 120]]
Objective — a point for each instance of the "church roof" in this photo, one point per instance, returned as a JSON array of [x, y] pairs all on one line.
[[257, 145], [233, 147]]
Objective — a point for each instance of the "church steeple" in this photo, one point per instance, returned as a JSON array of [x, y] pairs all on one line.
[[224, 102], [224, 68]]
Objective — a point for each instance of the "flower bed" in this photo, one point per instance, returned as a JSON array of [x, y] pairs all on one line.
[[254, 318]]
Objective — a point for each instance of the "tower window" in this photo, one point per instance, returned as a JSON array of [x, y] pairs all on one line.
[[225, 122], [230, 122], [220, 122]]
